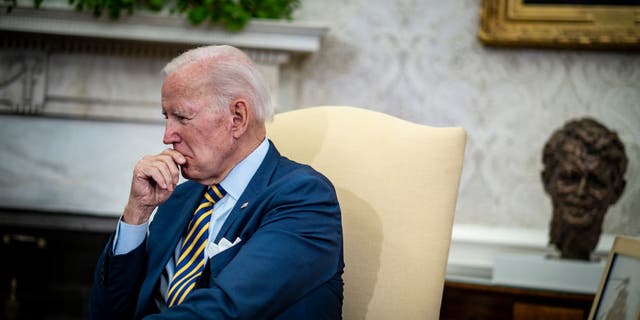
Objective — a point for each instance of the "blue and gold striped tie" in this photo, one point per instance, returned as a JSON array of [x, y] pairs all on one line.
[[191, 261]]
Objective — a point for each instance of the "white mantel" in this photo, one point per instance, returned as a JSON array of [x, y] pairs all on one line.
[[261, 34], [80, 97], [59, 62]]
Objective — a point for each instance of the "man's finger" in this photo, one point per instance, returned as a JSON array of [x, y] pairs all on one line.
[[177, 156], [156, 175], [172, 166], [169, 170]]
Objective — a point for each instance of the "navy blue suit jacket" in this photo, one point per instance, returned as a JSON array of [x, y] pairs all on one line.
[[288, 264]]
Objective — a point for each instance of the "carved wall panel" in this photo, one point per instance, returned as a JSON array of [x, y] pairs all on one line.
[[23, 76]]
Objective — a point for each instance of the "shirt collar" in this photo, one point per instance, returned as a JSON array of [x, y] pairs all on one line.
[[238, 178]]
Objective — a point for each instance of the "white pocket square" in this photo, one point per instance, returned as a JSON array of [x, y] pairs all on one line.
[[224, 244]]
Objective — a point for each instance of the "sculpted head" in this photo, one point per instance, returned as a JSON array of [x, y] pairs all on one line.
[[584, 166]]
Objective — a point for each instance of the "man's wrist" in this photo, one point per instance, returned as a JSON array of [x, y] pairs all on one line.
[[128, 237], [136, 215]]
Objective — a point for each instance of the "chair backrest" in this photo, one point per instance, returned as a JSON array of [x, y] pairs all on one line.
[[397, 183]]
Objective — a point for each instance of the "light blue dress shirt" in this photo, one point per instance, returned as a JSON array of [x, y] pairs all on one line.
[[129, 237]]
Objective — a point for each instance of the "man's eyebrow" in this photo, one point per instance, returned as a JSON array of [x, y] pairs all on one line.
[[173, 112]]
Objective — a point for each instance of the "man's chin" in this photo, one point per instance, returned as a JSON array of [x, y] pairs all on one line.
[[190, 175], [184, 171], [578, 221], [577, 216]]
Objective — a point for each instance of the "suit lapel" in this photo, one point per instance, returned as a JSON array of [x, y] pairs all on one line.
[[231, 229]]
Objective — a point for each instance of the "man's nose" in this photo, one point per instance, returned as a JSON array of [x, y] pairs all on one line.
[[170, 134], [582, 186]]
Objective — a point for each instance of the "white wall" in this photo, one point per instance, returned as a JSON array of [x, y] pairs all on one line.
[[421, 61]]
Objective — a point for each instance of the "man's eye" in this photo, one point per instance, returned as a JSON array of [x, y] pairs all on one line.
[[570, 177], [595, 182]]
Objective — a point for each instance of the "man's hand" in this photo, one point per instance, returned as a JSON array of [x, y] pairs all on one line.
[[154, 179]]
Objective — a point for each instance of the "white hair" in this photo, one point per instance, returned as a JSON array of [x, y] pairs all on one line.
[[232, 74]]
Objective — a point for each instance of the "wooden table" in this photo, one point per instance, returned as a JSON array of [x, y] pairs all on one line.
[[485, 301]]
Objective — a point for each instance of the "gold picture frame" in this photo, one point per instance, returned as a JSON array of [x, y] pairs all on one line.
[[579, 26]]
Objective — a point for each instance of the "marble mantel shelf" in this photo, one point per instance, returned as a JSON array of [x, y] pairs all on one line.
[[293, 37], [58, 62]]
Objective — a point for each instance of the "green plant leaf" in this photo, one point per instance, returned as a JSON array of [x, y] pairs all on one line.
[[155, 4], [232, 14], [198, 14]]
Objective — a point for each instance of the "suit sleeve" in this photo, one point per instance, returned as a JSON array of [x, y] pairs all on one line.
[[116, 283], [295, 248]]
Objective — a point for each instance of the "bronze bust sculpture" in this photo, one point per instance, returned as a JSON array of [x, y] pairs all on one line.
[[584, 166]]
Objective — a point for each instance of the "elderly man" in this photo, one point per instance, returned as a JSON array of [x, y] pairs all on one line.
[[584, 174], [250, 235]]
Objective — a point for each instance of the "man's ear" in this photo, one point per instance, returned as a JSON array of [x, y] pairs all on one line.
[[240, 118]]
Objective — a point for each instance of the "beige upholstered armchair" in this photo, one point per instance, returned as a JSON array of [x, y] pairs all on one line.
[[397, 183]]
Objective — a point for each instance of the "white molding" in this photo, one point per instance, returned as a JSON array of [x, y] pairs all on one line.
[[294, 37], [474, 249], [60, 30]]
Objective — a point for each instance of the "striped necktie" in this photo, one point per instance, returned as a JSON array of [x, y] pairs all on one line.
[[191, 261]]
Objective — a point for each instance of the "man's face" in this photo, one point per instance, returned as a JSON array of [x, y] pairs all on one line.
[[195, 127], [581, 188]]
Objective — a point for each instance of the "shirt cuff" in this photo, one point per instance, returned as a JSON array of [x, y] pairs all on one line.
[[128, 237]]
